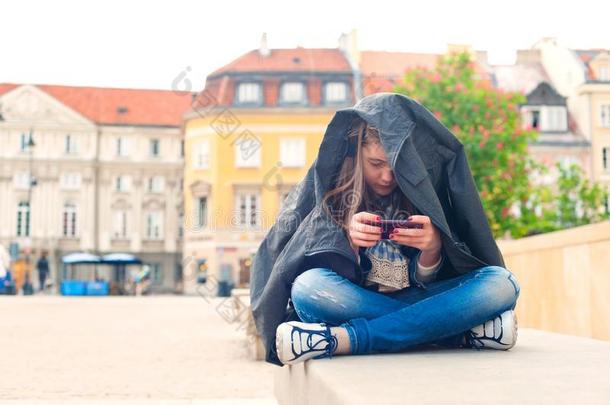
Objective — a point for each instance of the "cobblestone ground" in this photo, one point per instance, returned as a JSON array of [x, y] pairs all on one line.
[[163, 347]]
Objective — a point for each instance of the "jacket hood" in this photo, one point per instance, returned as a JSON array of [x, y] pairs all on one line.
[[405, 127], [396, 117]]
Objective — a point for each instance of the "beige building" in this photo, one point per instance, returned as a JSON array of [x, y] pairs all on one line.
[[102, 174], [594, 95]]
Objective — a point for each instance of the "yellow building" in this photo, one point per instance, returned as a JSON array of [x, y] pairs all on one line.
[[254, 132]]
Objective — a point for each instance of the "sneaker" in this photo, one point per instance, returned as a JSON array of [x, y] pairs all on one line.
[[499, 333], [298, 341]]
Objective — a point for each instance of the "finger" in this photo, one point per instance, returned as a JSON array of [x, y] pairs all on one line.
[[366, 217], [410, 232], [408, 242], [365, 236], [367, 228], [365, 243], [420, 219]]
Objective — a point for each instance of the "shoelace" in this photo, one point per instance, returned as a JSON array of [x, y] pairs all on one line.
[[471, 338], [328, 338]]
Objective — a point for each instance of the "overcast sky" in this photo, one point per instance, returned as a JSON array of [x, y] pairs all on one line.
[[146, 44]]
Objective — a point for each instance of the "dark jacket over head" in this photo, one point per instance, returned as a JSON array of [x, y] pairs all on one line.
[[430, 168]]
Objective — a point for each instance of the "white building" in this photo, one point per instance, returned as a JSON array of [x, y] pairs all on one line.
[[107, 166]]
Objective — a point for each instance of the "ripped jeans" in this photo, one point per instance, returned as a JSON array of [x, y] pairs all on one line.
[[440, 313]]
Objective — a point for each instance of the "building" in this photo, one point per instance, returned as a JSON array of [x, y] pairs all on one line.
[[560, 140], [255, 131], [582, 76], [107, 166]]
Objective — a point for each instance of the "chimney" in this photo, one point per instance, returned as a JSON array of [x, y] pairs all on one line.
[[263, 50]]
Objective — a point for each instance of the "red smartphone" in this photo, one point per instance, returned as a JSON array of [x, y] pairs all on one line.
[[388, 225]]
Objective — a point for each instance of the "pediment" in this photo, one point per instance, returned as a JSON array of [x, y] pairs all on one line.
[[30, 105]]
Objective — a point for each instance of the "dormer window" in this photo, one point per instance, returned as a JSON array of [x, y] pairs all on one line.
[[293, 93], [249, 93], [546, 118], [335, 92], [604, 74]]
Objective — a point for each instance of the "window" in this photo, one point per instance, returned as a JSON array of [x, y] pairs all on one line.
[[22, 180], [335, 92], [119, 225], [154, 148], [293, 93], [292, 152], [156, 184], [247, 209], [535, 119], [69, 220], [530, 118], [23, 142], [201, 212], [122, 183], [156, 273], [249, 93], [557, 119], [603, 74], [182, 148], [69, 145], [201, 155], [70, 181], [122, 146], [605, 158], [154, 225], [247, 151], [23, 219], [605, 115]]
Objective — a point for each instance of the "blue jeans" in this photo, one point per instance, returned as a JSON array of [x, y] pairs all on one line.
[[438, 314]]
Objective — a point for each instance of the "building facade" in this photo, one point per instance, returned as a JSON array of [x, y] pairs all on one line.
[[255, 131], [96, 170]]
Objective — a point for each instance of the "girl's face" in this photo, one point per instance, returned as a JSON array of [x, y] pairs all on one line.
[[377, 172]]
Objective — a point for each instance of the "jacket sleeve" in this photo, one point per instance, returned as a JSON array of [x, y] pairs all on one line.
[[298, 204], [270, 308], [416, 271], [467, 214]]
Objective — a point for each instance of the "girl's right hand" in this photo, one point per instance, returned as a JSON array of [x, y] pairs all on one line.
[[362, 234]]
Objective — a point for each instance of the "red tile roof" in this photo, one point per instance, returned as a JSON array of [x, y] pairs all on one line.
[[101, 105], [289, 60], [382, 63], [382, 70]]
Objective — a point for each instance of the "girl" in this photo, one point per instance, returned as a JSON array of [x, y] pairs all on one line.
[[401, 304]]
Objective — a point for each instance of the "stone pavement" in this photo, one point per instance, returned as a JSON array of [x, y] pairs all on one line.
[[159, 347]]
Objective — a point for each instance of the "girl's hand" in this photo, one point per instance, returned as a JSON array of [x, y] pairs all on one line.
[[361, 233], [427, 239]]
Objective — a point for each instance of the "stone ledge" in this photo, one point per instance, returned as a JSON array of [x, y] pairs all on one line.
[[543, 367]]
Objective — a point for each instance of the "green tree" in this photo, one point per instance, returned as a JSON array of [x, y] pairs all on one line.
[[487, 122]]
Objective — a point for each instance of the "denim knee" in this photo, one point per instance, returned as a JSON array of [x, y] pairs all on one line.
[[301, 291], [504, 282]]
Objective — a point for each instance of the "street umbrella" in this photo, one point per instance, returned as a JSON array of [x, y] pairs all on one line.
[[80, 258], [120, 258]]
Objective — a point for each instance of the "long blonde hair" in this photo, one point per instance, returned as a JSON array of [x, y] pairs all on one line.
[[351, 193]]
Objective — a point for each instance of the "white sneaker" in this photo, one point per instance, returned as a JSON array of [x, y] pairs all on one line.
[[499, 333], [298, 341]]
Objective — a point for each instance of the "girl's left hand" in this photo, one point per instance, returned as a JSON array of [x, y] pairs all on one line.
[[427, 239]]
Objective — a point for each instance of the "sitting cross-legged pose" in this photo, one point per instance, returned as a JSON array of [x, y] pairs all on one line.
[[338, 279]]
